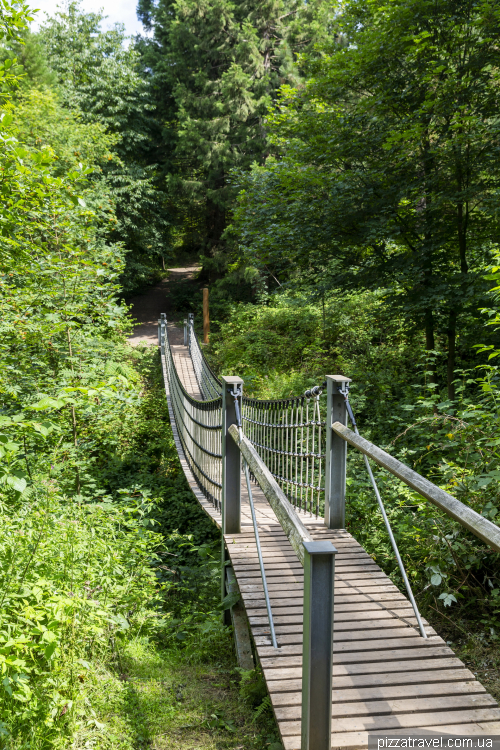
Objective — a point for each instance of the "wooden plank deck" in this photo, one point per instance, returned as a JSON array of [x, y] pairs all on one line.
[[385, 675]]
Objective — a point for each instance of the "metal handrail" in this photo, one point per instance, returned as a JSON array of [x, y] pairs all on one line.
[[236, 393], [199, 425], [318, 560], [480, 526], [288, 434], [209, 384], [290, 522]]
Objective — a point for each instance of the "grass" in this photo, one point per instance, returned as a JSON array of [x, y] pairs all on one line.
[[158, 692], [157, 699]]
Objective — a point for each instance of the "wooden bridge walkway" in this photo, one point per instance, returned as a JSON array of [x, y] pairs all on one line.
[[386, 677]]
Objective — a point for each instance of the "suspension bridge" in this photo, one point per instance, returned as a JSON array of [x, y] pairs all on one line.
[[344, 653]]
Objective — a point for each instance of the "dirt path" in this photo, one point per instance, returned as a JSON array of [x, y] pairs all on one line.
[[147, 308]]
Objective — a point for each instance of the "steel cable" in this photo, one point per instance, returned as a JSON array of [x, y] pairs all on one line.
[[236, 394], [345, 394]]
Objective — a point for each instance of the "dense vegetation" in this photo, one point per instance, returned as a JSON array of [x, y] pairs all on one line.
[[335, 168], [374, 225], [110, 620]]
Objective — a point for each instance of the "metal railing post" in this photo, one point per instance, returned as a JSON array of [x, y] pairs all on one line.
[[231, 472], [336, 454], [185, 332], [159, 332], [163, 332], [190, 325], [317, 645], [231, 459]]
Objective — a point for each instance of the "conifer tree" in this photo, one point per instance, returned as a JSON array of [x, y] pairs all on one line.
[[215, 66]]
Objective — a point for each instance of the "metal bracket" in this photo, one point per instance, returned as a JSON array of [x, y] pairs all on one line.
[[316, 391], [345, 394], [237, 393], [344, 389]]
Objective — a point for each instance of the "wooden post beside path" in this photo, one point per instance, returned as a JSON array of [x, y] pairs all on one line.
[[206, 317]]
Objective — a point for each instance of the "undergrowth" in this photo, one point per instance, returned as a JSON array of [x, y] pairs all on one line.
[[111, 633], [288, 344]]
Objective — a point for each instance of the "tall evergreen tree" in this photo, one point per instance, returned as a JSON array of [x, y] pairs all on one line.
[[97, 76], [215, 66]]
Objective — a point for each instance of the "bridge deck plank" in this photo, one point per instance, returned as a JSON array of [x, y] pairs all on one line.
[[385, 675]]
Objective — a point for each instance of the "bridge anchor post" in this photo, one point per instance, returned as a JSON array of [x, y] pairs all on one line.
[[190, 328], [163, 332], [336, 453], [317, 645], [231, 474]]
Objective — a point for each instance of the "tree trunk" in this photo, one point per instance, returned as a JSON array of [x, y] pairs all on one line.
[[429, 330], [215, 224], [430, 345], [452, 335], [462, 222]]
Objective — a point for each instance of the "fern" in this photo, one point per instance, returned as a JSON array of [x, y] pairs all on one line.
[[264, 707]]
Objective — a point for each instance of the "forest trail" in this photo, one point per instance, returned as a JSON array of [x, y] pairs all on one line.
[[147, 307]]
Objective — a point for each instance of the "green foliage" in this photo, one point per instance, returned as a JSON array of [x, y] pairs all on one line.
[[31, 62], [214, 67], [74, 578], [86, 463], [97, 81], [284, 347], [456, 449], [389, 173]]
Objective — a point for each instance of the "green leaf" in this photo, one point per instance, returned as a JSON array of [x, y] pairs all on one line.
[[49, 650], [447, 599], [17, 483]]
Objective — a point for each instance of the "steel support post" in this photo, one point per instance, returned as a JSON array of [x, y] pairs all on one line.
[[163, 327], [159, 332], [190, 325], [231, 470], [317, 646], [231, 459], [185, 332], [336, 453]]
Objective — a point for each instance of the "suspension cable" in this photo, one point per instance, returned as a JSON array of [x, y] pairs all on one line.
[[345, 394], [236, 393]]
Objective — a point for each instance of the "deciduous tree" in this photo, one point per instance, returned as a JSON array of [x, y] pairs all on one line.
[[390, 172]]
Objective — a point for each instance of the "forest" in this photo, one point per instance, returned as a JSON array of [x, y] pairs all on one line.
[[333, 169]]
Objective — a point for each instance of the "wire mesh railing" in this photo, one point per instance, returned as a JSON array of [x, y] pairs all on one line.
[[289, 436], [209, 384], [199, 427]]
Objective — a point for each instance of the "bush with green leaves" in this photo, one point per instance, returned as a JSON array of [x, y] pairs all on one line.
[[75, 578], [285, 346], [288, 344], [84, 459]]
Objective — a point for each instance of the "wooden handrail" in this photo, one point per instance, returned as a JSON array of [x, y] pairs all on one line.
[[479, 525], [285, 512]]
